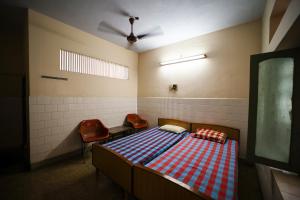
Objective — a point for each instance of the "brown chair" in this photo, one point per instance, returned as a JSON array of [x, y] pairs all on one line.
[[92, 130], [136, 122]]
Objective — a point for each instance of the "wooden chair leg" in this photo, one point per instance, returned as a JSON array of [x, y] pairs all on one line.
[[82, 149]]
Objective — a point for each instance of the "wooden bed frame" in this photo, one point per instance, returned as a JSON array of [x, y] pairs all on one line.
[[149, 184], [117, 167]]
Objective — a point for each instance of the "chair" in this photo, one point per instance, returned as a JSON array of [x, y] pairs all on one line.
[[136, 122], [92, 130]]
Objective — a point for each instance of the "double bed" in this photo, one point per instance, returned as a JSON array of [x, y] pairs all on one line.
[[117, 158], [192, 169], [156, 164]]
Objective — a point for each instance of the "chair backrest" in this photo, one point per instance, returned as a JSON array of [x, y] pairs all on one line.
[[133, 117], [90, 125]]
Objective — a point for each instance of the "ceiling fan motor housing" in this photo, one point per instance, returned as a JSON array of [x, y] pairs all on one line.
[[131, 38]]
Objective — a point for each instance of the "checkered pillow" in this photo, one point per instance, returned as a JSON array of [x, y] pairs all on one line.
[[209, 134]]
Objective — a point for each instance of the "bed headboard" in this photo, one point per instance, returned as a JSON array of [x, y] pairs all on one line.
[[163, 121], [232, 133]]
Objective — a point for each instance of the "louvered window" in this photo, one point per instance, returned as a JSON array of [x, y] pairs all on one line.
[[75, 62]]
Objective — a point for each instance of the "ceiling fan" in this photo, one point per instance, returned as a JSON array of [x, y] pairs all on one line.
[[131, 38]]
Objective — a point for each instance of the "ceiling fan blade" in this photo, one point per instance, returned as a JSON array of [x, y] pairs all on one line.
[[123, 13], [105, 27], [117, 9], [151, 33], [142, 36]]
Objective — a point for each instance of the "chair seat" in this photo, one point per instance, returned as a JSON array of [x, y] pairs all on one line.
[[93, 137], [140, 125]]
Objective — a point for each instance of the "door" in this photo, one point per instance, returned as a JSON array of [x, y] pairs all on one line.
[[12, 123], [273, 132]]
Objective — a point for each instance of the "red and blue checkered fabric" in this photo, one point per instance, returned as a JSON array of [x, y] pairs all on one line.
[[209, 167], [146, 145], [209, 134]]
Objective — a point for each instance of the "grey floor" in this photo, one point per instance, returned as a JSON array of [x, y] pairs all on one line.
[[76, 179]]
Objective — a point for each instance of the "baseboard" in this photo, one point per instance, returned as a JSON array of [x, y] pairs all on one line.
[[56, 159]]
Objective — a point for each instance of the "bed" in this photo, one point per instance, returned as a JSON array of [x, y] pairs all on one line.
[[116, 159], [192, 169]]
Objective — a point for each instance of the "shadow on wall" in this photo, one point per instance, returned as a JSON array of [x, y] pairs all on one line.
[[71, 143]]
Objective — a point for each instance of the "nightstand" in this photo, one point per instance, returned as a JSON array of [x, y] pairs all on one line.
[[119, 131]]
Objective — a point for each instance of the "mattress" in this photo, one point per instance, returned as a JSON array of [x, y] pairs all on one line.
[[144, 146], [208, 167]]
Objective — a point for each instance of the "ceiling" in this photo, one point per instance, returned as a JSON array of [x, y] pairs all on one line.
[[179, 19]]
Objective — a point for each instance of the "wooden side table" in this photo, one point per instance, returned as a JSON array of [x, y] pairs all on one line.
[[119, 131]]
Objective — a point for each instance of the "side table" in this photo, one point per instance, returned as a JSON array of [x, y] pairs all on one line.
[[119, 131]]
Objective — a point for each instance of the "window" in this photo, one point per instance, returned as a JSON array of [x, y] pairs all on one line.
[[274, 105], [75, 62]]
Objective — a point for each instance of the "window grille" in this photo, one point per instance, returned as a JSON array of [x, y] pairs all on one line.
[[75, 62]]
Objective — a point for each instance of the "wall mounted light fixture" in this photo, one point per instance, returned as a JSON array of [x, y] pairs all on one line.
[[173, 87], [185, 59]]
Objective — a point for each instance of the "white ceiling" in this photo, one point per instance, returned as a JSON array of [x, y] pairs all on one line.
[[178, 19]]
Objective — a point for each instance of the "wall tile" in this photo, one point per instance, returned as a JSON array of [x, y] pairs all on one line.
[[57, 115], [34, 125], [36, 108], [62, 107], [54, 121], [50, 108], [32, 100], [43, 100]]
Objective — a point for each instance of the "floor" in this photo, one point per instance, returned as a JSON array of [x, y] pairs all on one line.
[[76, 179]]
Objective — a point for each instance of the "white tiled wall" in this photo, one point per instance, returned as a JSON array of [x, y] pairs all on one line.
[[228, 112], [53, 121]]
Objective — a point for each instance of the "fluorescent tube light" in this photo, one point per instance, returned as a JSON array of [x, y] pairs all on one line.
[[185, 59]]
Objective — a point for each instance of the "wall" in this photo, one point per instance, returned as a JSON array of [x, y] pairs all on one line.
[[54, 121], [47, 36], [56, 107], [288, 19], [224, 74], [211, 90]]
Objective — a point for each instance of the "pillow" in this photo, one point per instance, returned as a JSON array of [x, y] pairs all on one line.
[[172, 128], [212, 135]]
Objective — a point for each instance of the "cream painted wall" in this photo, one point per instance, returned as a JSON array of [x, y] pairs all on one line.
[[47, 36], [223, 74], [291, 14]]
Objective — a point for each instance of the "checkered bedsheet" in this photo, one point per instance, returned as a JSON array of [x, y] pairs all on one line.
[[146, 145], [207, 166]]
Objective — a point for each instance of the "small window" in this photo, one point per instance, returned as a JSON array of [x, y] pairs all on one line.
[[74, 62]]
